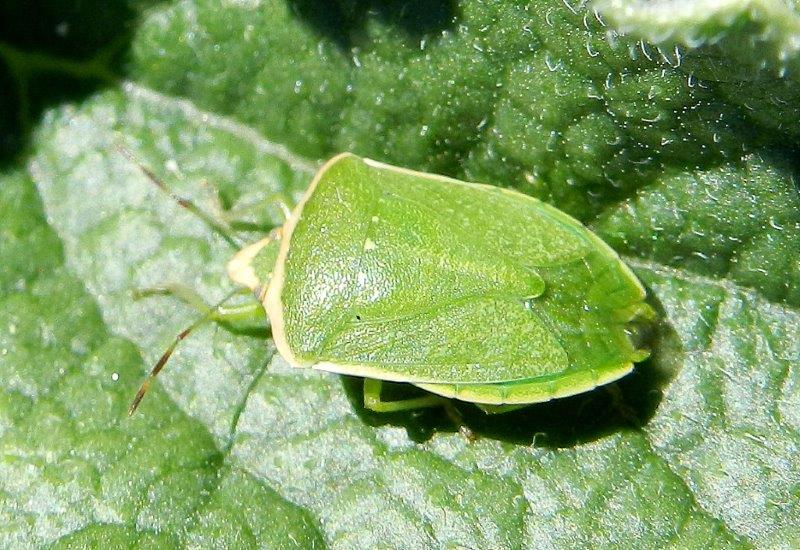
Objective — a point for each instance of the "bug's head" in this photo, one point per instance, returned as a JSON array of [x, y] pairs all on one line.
[[253, 265]]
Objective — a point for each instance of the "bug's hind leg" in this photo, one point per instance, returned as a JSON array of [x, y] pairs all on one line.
[[373, 401], [500, 409], [458, 421]]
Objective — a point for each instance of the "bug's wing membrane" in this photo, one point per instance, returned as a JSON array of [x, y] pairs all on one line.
[[423, 279]]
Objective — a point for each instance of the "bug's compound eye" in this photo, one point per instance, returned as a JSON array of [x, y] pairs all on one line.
[[358, 317]]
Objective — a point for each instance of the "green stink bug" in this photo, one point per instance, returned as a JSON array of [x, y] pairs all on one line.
[[467, 291]]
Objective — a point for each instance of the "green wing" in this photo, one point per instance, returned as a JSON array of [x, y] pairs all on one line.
[[412, 277]]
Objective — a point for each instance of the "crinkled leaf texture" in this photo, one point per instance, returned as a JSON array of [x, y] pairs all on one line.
[[662, 144]]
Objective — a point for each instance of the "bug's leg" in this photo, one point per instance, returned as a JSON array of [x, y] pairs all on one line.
[[458, 420], [166, 355], [250, 311], [186, 294], [625, 410], [373, 401], [500, 409], [218, 313], [250, 216]]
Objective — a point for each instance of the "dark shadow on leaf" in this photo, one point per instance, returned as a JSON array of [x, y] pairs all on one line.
[[344, 21], [628, 404], [51, 52]]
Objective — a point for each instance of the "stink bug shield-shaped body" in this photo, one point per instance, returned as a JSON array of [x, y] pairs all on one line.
[[468, 291]]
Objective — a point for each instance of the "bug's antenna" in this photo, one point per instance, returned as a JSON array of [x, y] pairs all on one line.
[[166, 355], [188, 204]]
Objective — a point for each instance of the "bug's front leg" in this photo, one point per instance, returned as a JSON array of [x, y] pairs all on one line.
[[227, 315], [250, 312], [265, 213]]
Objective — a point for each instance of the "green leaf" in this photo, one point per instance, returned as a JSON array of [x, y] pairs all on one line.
[[736, 47], [766, 31], [691, 176]]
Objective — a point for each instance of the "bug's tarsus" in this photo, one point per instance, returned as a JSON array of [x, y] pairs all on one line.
[[210, 314], [457, 419], [185, 203], [623, 408]]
